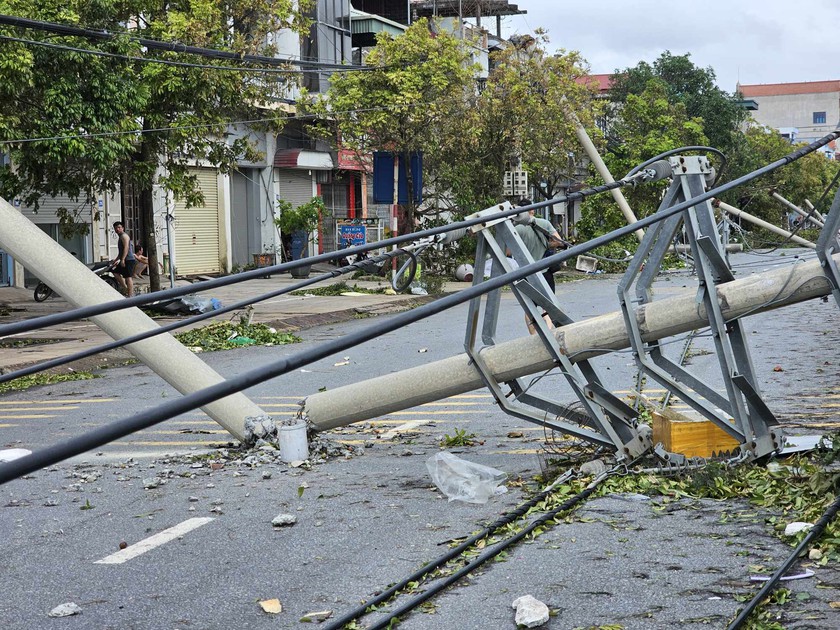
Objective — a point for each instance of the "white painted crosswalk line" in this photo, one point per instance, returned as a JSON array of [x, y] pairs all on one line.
[[151, 542]]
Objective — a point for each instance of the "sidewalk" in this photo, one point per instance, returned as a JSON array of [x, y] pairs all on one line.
[[286, 312]]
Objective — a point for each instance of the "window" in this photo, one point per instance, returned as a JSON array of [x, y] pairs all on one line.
[[819, 118]]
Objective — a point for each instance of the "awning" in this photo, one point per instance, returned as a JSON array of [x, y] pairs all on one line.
[[303, 158]]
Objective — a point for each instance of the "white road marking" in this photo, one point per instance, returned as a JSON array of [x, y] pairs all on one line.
[[151, 542]]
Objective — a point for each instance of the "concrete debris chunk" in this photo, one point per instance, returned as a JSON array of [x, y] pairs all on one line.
[[793, 529], [259, 428], [284, 520], [66, 610], [594, 468], [150, 483], [271, 606], [530, 612], [11, 454]]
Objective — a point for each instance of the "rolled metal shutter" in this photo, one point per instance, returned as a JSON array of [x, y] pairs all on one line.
[[197, 229]]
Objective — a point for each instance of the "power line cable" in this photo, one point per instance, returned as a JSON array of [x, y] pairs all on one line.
[[236, 383], [181, 64], [153, 44]]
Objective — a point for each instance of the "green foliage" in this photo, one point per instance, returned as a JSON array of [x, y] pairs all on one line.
[[805, 178], [690, 86], [336, 289], [227, 335], [647, 125], [303, 218], [461, 438], [88, 108], [25, 382]]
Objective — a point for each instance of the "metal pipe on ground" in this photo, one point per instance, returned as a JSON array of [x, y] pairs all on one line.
[[761, 223], [792, 206], [581, 340], [179, 367]]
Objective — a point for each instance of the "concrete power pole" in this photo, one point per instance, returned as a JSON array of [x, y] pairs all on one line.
[[164, 354], [525, 356]]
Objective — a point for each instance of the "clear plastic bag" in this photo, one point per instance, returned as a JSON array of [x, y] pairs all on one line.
[[464, 481]]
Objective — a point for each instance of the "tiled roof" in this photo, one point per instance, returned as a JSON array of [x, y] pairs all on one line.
[[781, 89], [601, 81]]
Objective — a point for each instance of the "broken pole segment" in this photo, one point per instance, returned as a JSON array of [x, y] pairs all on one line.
[[174, 363], [761, 223], [581, 340]]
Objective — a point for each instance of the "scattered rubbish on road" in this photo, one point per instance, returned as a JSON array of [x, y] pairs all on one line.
[[530, 612], [66, 610], [316, 616], [515, 434], [284, 520], [799, 576], [271, 606], [462, 480], [793, 529], [11, 454]]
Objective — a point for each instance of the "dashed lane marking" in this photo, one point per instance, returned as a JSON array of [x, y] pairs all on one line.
[[26, 416], [147, 544], [37, 408], [6, 426], [57, 401]]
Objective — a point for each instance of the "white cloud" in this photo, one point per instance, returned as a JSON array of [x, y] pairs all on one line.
[[756, 41]]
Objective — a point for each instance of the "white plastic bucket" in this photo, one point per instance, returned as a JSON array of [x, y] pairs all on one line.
[[464, 273], [293, 443]]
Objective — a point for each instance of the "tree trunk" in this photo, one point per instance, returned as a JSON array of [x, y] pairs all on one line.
[[147, 211]]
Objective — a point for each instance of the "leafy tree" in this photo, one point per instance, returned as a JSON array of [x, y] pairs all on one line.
[[803, 179], [647, 125], [412, 85], [691, 86], [521, 117], [88, 106]]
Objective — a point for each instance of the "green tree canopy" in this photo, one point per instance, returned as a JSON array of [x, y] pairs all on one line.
[[647, 125], [89, 106], [412, 87], [691, 86]]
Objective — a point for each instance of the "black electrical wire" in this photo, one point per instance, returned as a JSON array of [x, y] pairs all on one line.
[[814, 533], [405, 274], [142, 420], [140, 300], [153, 44], [485, 556], [169, 62], [385, 595], [111, 345]]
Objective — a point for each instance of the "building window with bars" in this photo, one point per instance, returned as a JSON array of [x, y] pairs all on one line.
[[819, 118]]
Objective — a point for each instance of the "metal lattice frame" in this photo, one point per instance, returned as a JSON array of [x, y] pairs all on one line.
[[742, 412], [614, 424]]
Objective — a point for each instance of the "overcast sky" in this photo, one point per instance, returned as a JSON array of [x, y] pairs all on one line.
[[754, 41]]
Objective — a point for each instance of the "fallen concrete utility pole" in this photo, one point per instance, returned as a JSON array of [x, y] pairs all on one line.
[[791, 206], [580, 340], [179, 367], [767, 226], [815, 211]]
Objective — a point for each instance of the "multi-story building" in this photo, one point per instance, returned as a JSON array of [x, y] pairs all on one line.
[[802, 112]]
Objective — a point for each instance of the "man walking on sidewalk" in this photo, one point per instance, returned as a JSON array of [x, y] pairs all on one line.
[[125, 260]]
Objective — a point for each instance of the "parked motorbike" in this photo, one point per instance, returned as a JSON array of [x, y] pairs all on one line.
[[102, 269]]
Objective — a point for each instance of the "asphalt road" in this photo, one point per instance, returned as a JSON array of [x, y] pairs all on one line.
[[369, 517]]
